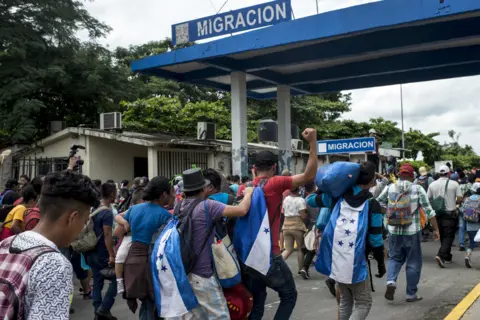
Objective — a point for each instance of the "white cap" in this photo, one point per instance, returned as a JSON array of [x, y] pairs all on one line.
[[372, 131], [444, 169]]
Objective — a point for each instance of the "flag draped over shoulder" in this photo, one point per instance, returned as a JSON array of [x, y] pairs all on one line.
[[174, 295], [252, 236], [342, 254]]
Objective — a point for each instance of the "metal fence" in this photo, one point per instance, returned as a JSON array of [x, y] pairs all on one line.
[[171, 163], [33, 166]]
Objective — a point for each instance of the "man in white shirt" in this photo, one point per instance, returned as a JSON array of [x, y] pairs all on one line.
[[32, 260], [452, 194]]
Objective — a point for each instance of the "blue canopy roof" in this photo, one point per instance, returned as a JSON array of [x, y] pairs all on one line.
[[375, 44]]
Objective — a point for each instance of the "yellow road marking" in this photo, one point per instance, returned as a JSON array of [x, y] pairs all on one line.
[[458, 312]]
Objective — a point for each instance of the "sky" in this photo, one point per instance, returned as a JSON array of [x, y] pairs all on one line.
[[436, 106]]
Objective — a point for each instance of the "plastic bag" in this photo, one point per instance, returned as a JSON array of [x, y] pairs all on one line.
[[336, 178], [477, 237]]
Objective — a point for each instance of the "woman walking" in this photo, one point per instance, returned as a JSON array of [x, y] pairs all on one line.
[[295, 211]]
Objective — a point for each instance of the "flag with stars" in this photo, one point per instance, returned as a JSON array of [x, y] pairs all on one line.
[[252, 236], [174, 295], [342, 254]]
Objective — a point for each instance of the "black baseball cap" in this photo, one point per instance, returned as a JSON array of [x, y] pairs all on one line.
[[265, 158]]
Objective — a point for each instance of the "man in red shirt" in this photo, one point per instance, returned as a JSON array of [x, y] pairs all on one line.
[[279, 277]]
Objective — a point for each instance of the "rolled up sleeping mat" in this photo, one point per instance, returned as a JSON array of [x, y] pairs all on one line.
[[336, 178]]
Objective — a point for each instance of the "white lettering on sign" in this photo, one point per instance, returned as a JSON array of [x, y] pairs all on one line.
[[251, 22], [231, 22], [217, 24], [240, 22], [202, 28], [350, 145]]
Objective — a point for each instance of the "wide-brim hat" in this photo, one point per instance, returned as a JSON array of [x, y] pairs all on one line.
[[193, 180]]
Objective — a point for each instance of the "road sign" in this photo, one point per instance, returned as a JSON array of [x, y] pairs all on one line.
[[355, 145], [261, 15]]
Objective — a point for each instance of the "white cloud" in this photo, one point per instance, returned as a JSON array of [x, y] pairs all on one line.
[[430, 107]]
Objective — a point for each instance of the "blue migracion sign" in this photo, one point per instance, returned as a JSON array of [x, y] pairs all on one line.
[[346, 145], [261, 15]]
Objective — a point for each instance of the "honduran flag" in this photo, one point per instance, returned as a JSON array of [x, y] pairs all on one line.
[[252, 235], [174, 295], [342, 254]]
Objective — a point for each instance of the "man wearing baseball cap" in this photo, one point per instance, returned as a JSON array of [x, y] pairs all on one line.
[[405, 240], [279, 277], [445, 194]]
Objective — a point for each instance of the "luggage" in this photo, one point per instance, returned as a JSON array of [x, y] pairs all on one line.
[[336, 178]]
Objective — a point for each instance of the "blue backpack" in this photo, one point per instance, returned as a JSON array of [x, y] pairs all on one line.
[[325, 213]]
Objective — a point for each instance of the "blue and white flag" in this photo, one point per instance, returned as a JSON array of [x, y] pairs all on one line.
[[252, 235], [174, 295], [342, 254]]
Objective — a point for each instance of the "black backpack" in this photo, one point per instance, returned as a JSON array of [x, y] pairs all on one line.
[[4, 211], [185, 231], [423, 183]]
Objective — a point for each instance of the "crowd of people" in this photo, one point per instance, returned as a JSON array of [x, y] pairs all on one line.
[[64, 224]]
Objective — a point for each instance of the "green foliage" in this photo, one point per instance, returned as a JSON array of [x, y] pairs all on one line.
[[47, 74], [417, 164], [168, 115]]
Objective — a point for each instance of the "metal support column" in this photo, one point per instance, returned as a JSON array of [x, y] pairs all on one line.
[[284, 128], [239, 124], [152, 163]]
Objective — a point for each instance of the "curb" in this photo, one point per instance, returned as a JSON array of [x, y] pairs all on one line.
[[462, 307]]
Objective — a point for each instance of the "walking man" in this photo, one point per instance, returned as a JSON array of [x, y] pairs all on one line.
[[405, 240], [444, 195]]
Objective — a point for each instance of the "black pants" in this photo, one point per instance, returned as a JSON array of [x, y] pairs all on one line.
[[448, 227], [280, 279], [309, 255]]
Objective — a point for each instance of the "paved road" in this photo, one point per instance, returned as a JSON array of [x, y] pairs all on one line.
[[441, 289]]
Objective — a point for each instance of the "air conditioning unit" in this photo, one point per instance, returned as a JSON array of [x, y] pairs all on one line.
[[111, 120], [206, 131], [57, 126], [297, 144]]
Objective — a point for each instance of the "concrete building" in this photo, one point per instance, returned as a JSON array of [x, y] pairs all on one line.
[[124, 155]]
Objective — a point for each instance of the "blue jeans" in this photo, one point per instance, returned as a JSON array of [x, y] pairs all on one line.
[[280, 279], [147, 310], [471, 235], [462, 228], [405, 249], [99, 261]]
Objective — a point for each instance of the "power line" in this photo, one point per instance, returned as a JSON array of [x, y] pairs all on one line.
[[214, 9], [222, 6]]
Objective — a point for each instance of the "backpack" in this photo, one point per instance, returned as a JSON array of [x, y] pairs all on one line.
[[3, 195], [185, 232], [423, 182], [31, 218], [438, 204], [471, 209], [14, 268], [399, 210], [87, 239]]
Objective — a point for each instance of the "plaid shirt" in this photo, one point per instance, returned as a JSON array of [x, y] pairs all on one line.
[[418, 198]]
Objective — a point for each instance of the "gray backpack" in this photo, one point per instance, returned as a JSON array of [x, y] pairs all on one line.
[[87, 239]]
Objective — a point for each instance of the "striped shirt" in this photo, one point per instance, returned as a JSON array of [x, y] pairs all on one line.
[[418, 198]]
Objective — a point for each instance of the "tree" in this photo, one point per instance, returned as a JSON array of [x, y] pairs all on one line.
[[47, 74], [165, 114], [416, 141]]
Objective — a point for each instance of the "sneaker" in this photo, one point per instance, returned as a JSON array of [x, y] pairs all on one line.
[[462, 248], [440, 261], [417, 298], [468, 263], [120, 287], [331, 286], [390, 293], [104, 315], [304, 274]]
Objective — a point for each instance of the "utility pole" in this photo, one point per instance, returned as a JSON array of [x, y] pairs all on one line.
[[403, 130], [316, 2]]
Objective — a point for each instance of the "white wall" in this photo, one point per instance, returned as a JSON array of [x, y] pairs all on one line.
[[110, 159]]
